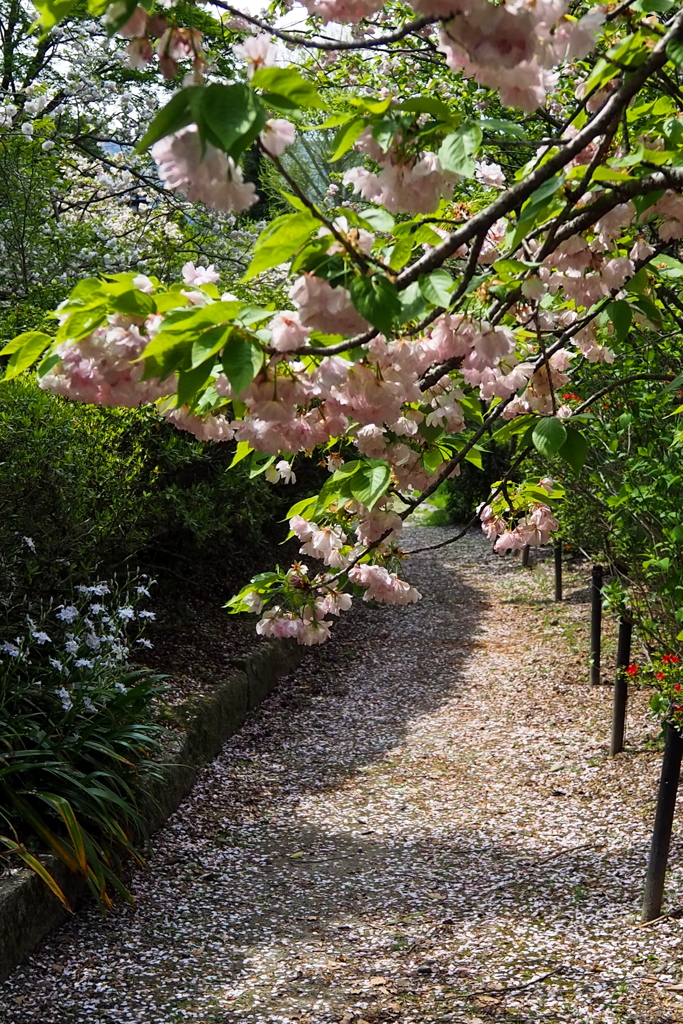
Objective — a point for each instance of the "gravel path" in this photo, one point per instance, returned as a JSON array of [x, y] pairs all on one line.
[[422, 826]]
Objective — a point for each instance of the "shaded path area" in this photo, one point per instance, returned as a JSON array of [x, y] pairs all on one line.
[[421, 826]]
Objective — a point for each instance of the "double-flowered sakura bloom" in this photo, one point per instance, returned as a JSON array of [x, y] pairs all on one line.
[[344, 11], [257, 51], [533, 530], [207, 176], [512, 47], [210, 428], [323, 542], [287, 332], [281, 470], [101, 368], [306, 628], [403, 185], [383, 586], [324, 308]]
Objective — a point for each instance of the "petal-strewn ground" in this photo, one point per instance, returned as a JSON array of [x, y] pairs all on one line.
[[421, 826]]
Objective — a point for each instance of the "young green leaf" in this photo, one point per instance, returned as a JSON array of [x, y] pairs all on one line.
[[280, 240], [456, 154], [24, 350], [370, 483]]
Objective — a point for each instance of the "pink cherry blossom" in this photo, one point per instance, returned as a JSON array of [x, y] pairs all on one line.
[[277, 135], [257, 51], [324, 308], [211, 178], [287, 332], [200, 275]]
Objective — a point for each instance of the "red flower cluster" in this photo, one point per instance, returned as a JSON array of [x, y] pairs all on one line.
[[571, 397], [632, 670], [672, 659]]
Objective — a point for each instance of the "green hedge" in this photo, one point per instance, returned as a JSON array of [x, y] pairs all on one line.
[[102, 490]]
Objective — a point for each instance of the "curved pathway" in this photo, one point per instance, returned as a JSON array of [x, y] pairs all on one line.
[[421, 826]]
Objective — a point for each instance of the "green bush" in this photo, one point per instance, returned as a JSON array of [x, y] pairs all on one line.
[[88, 490]]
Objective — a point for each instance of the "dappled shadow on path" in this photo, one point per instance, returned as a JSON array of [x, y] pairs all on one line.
[[354, 849]]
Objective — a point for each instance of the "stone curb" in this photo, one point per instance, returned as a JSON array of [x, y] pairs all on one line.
[[28, 911]]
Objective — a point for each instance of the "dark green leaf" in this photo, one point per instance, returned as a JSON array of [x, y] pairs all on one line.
[[437, 288], [370, 483], [549, 435], [620, 314], [574, 449], [242, 360], [377, 300], [233, 116]]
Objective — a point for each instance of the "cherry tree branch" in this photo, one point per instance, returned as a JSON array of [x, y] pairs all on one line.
[[331, 44]]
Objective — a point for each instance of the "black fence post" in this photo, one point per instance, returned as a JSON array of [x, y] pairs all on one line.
[[664, 816], [621, 684], [596, 622], [525, 556], [558, 570]]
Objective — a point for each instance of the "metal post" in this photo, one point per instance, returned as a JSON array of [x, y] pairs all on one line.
[[621, 684], [596, 622], [525, 556], [664, 816], [558, 570]]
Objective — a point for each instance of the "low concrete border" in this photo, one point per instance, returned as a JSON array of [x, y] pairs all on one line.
[[28, 911]]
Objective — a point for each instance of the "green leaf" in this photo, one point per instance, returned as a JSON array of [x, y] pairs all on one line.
[[536, 209], [242, 360], [400, 253], [457, 150], [208, 344], [302, 506], [428, 105], [345, 138], [549, 435], [379, 219], [377, 300], [496, 124], [134, 302], [289, 83], [175, 115], [517, 426], [190, 382], [620, 314], [24, 351], [233, 116], [78, 325], [437, 288], [280, 240], [370, 483], [243, 449], [674, 52], [53, 11], [32, 862], [574, 449]]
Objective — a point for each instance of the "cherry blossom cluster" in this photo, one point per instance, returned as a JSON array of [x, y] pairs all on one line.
[[534, 524]]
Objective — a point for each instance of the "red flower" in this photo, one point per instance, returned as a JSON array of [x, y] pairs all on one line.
[[677, 687], [673, 658], [632, 670], [660, 675]]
